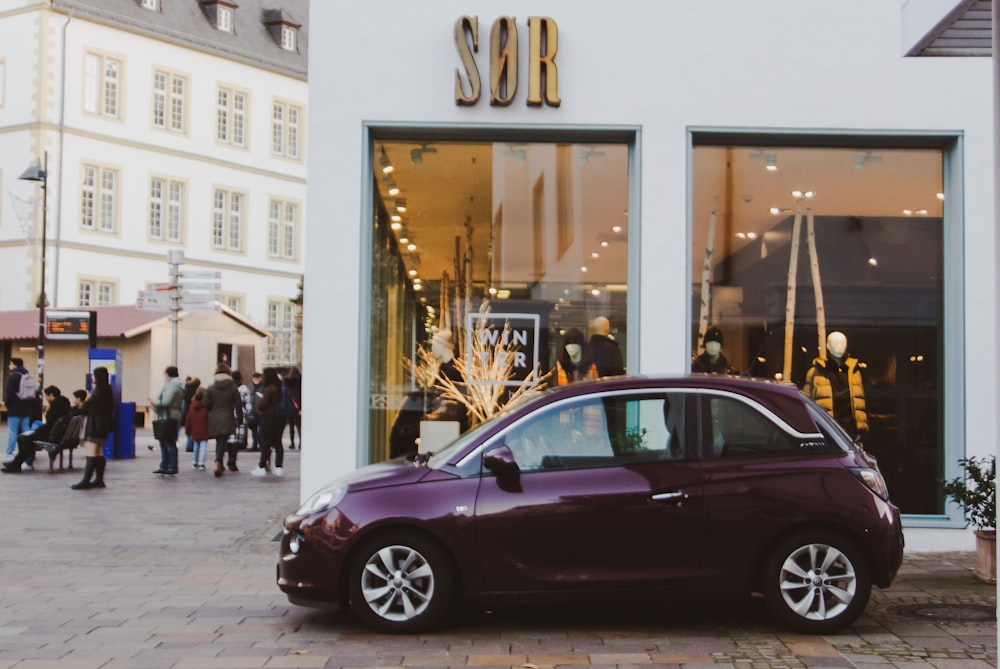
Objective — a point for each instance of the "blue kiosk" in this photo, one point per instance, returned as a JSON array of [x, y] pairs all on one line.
[[121, 443]]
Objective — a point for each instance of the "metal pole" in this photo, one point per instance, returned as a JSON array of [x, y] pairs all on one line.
[[41, 296]]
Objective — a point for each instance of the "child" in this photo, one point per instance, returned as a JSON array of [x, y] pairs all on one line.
[[196, 427]]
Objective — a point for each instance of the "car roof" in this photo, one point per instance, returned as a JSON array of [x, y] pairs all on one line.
[[782, 398]]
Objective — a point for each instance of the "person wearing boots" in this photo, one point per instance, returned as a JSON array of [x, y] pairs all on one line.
[[99, 411], [225, 410], [836, 385], [711, 361]]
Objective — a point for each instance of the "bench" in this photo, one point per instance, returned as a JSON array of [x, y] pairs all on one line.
[[48, 446]]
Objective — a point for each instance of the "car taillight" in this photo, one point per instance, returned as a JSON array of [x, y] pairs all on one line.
[[872, 478]]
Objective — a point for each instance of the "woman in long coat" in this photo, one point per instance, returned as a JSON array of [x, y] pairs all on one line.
[[225, 411]]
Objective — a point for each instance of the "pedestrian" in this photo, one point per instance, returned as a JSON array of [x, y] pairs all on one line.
[[271, 425], [238, 439], [225, 410], [58, 408], [191, 384], [289, 408], [99, 411], [196, 428], [168, 409], [19, 398], [253, 420]]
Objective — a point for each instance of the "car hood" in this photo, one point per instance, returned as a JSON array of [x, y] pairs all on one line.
[[398, 471]]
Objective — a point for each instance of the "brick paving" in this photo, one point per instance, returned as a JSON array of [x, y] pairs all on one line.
[[178, 573]]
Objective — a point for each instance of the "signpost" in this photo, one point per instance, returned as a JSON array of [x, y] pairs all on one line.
[[190, 290]]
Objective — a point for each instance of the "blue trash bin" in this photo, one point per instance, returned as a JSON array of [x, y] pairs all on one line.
[[124, 437]]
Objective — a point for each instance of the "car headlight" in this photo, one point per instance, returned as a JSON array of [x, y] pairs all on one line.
[[872, 478], [322, 500]]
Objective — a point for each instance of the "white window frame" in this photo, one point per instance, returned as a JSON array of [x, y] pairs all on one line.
[[151, 4], [99, 198], [228, 220], [169, 101], [279, 350], [231, 105], [234, 301], [166, 209], [95, 292], [286, 123], [282, 229], [289, 38], [224, 18], [102, 85]]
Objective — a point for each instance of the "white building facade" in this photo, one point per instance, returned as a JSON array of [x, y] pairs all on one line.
[[167, 125], [666, 166]]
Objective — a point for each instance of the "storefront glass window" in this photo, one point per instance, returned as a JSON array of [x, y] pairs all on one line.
[[470, 238], [793, 244]]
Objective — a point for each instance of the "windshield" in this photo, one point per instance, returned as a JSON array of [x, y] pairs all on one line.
[[441, 458]]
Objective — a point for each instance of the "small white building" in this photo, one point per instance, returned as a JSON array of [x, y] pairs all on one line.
[[161, 125], [780, 171]]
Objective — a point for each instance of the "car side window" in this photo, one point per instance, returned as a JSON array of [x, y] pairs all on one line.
[[735, 429], [598, 432]]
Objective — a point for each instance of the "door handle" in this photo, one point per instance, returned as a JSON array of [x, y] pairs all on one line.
[[674, 496]]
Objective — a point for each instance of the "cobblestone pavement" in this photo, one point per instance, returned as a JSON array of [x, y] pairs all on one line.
[[179, 573]]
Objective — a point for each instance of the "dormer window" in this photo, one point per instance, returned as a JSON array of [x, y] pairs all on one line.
[[283, 28], [220, 13], [288, 38], [150, 4]]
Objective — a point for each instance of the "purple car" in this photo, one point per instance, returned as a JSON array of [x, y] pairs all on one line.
[[613, 488]]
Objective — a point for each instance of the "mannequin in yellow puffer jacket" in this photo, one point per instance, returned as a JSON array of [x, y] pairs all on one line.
[[836, 385]]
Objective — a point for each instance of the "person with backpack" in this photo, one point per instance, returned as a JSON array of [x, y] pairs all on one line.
[[19, 398]]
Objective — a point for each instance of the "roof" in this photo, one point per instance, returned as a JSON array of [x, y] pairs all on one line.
[[963, 30], [185, 22], [121, 321]]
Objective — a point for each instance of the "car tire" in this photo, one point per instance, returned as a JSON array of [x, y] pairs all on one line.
[[400, 582], [816, 582]]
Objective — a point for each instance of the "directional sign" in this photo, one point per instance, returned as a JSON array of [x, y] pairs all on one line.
[[200, 297], [201, 285], [151, 306], [160, 286], [200, 274], [206, 306], [155, 296]]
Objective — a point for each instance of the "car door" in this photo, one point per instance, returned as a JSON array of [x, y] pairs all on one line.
[[606, 495]]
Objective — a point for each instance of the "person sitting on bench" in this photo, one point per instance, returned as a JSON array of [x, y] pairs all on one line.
[[56, 419]]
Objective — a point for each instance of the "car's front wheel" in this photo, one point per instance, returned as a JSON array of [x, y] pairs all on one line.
[[817, 583], [400, 582]]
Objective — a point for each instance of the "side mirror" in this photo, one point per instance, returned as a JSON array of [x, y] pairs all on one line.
[[500, 461]]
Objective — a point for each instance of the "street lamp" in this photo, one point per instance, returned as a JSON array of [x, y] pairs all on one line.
[[39, 172]]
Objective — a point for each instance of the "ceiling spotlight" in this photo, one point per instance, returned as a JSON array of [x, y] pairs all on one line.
[[940, 196], [799, 194], [595, 292], [396, 225], [401, 205], [411, 247], [390, 183], [595, 254], [616, 228], [404, 240], [873, 261], [605, 244], [384, 163], [413, 272], [396, 218], [771, 162], [583, 269]]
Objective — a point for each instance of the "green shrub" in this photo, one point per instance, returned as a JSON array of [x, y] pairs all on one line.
[[976, 491]]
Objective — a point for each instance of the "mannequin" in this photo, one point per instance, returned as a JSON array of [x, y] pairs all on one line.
[[573, 363], [604, 351], [711, 361], [443, 349], [836, 385]]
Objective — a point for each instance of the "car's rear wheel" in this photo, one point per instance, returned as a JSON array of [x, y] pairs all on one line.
[[817, 583], [400, 582]]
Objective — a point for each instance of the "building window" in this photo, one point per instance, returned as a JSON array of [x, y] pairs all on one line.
[[280, 348], [230, 117], [224, 18], [234, 302], [227, 221], [544, 248], [95, 293], [166, 209], [98, 198], [151, 4], [288, 38], [781, 269], [169, 92], [282, 224], [285, 130], [101, 89]]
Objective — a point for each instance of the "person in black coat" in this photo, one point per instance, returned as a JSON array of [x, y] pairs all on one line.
[[604, 351], [58, 407], [99, 410]]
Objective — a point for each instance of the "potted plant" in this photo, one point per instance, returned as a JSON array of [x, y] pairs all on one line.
[[976, 493]]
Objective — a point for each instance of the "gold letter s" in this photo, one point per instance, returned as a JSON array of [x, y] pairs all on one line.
[[470, 23]]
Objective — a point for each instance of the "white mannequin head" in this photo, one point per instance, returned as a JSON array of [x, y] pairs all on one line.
[[442, 346], [713, 348], [601, 326], [574, 351], [836, 345]]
